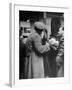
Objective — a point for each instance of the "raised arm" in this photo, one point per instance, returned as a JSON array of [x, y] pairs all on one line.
[[38, 45]]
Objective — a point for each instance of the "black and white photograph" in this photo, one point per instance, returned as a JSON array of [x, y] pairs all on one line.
[[41, 44]]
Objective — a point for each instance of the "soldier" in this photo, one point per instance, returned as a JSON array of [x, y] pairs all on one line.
[[35, 51]]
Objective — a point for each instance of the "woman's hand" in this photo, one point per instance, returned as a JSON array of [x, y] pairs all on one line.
[[53, 43]]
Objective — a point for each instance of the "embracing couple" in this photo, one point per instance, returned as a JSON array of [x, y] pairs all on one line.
[[37, 63]]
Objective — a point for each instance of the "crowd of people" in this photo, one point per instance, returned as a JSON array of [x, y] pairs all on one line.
[[43, 56]]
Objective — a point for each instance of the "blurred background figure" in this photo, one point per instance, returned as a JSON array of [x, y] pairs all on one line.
[[22, 53], [60, 55], [24, 32]]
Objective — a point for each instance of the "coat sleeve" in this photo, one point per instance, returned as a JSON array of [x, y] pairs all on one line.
[[39, 47]]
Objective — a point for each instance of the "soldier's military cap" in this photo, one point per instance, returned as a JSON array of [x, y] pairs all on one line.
[[39, 25]]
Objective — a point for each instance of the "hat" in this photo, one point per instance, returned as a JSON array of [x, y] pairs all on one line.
[[39, 25]]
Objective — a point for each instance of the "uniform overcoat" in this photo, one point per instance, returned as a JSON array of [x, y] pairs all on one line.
[[35, 53]]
